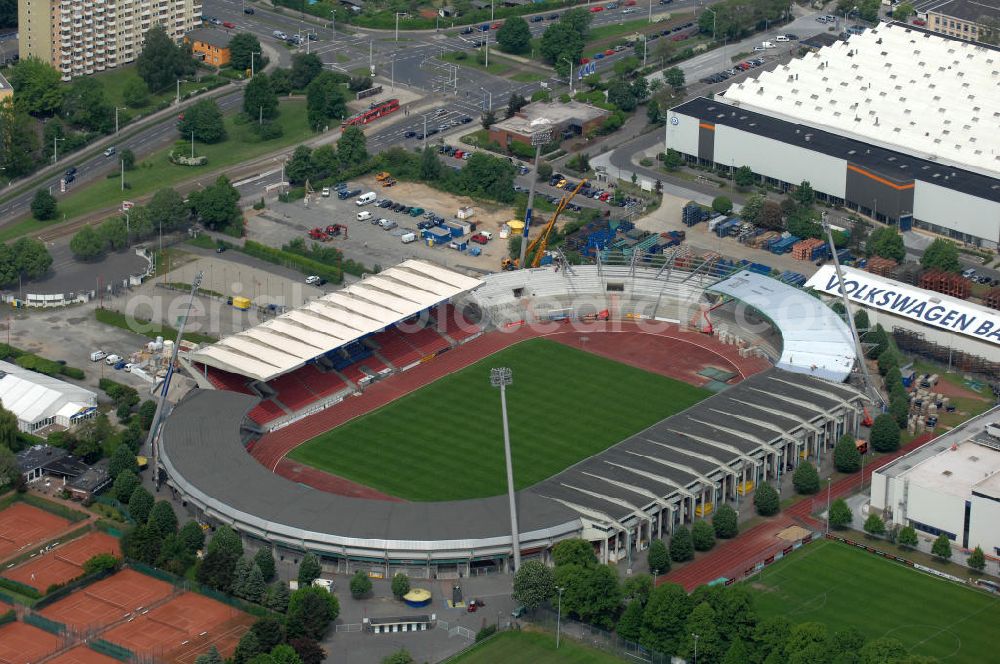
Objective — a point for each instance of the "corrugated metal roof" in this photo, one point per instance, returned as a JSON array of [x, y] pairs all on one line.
[[334, 320]]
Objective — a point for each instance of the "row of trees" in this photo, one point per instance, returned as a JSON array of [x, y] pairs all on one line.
[[562, 42], [25, 258]]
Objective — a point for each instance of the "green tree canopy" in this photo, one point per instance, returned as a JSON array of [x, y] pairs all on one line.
[[9, 469], [210, 657], [240, 48], [977, 560], [192, 536], [18, 139], [885, 434], [44, 206], [574, 552], [766, 500], [806, 479], [325, 100], [561, 46], [726, 522], [846, 457], [136, 93], [309, 569], [122, 459], [941, 547], [722, 205], [352, 147], [168, 209], [907, 537], [361, 585], [674, 77], [658, 557], [260, 102], [217, 205], [941, 255], [681, 546], [162, 62], [840, 514], [630, 624], [162, 518], [744, 177], [305, 67], [299, 167], [37, 87], [264, 559], [514, 35], [140, 504], [124, 485], [885, 241], [665, 618], [702, 535], [533, 584], [204, 119], [702, 633], [874, 525], [310, 612], [400, 585], [591, 593]]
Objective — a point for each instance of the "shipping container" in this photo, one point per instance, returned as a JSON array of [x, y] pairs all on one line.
[[241, 303]]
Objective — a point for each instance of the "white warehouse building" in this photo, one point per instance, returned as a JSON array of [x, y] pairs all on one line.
[[950, 485], [897, 123], [39, 401]]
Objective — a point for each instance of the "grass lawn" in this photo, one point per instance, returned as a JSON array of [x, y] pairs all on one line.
[[534, 647], [156, 171], [114, 83], [498, 66], [841, 586], [606, 32], [528, 77], [444, 441], [147, 328]]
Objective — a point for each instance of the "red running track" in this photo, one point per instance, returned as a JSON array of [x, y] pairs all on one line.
[[733, 557], [667, 350]]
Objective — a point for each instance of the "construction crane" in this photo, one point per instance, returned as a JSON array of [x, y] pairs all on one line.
[[536, 250], [151, 439]]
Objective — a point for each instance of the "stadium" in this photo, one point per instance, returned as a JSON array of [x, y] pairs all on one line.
[[362, 427]]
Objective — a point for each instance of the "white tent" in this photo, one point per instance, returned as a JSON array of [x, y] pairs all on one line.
[[39, 400]]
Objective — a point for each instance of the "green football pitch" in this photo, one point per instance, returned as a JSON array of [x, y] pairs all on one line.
[[445, 440], [533, 648], [842, 586]]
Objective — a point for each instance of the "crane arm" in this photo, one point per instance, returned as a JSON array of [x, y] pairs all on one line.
[[540, 243]]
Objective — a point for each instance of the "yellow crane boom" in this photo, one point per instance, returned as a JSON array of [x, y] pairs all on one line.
[[538, 246]]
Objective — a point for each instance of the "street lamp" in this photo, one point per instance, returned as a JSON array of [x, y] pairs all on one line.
[[570, 73], [179, 81], [709, 9], [55, 148], [398, 14], [487, 92], [559, 616], [502, 377], [695, 637], [116, 116], [253, 53], [541, 134], [829, 483]]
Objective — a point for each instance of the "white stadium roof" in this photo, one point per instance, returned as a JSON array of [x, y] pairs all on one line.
[[289, 341], [815, 340], [894, 86], [34, 397]]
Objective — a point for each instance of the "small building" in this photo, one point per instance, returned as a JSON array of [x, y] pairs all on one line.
[[966, 19], [41, 402], [5, 88], [566, 118], [91, 482], [35, 461], [212, 46], [448, 11], [80, 479]]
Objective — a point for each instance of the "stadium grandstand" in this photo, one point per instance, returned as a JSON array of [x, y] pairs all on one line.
[[334, 344], [670, 473]]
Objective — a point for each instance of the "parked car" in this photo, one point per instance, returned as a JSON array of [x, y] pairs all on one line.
[[110, 151], [248, 10], [325, 193], [536, 19], [228, 24], [120, 364], [312, 280]]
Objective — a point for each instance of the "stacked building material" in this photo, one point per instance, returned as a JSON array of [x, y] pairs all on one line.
[[883, 267], [945, 282]]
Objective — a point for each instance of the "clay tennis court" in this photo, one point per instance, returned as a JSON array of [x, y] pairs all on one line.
[[108, 600], [21, 643], [82, 655], [22, 525], [64, 563], [175, 625]]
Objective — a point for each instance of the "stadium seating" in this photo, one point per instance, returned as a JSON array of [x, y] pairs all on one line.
[[395, 347], [456, 325], [265, 412], [319, 383], [291, 391], [427, 341], [223, 380]]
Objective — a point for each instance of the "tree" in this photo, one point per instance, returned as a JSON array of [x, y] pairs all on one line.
[[217, 205], [807, 642], [846, 457], [305, 67], [874, 525], [658, 557], [674, 77], [488, 119], [737, 653], [515, 103], [140, 504], [352, 147], [722, 205], [882, 651], [885, 434], [401, 656], [591, 593], [887, 360], [702, 622], [264, 560], [260, 101], [621, 95], [533, 584], [941, 255], [941, 547], [162, 518], [574, 552], [122, 459], [227, 541], [43, 206], [324, 100], [681, 546], [299, 167], [162, 62], [192, 536], [309, 569], [977, 560], [514, 35], [903, 11], [804, 194], [401, 585], [270, 633], [247, 648], [743, 177], [561, 42], [210, 657], [840, 515], [9, 469], [806, 479], [255, 587], [277, 597], [726, 522], [37, 89], [124, 485], [766, 500], [285, 654], [141, 544], [310, 612], [308, 650], [907, 537], [205, 120], [653, 112], [663, 621], [430, 165], [361, 585], [702, 535], [886, 242], [167, 207], [18, 140], [630, 624], [637, 587], [770, 215], [241, 46], [673, 160]]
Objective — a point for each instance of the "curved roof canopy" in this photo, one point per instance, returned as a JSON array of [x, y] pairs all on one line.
[[815, 339], [289, 341]]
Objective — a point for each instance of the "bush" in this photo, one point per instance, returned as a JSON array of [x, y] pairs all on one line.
[[766, 500], [703, 535], [941, 547], [681, 546], [722, 205], [874, 525], [907, 537], [400, 585], [295, 261], [885, 434], [806, 479], [846, 457], [361, 585], [840, 515], [726, 522], [658, 558]]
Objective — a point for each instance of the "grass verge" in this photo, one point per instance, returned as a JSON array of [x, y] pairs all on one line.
[[441, 442], [498, 66], [842, 586], [147, 328], [534, 647]]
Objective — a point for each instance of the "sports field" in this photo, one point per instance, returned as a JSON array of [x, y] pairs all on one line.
[[534, 647], [445, 441], [840, 585]]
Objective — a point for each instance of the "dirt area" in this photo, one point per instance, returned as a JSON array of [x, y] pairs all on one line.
[[793, 533]]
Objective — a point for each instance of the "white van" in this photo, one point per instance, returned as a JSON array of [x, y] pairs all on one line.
[[781, 38], [767, 44], [112, 359], [365, 199], [364, 216], [407, 238], [98, 355], [486, 234]]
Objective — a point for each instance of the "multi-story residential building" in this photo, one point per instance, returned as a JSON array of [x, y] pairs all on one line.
[[80, 37], [972, 20]]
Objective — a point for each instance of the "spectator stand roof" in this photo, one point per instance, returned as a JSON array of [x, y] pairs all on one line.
[[815, 340], [377, 301]]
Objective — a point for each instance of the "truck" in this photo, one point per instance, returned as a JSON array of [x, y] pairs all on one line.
[[318, 234]]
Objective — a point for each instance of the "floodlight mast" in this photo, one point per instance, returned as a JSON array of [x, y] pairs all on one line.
[[502, 377], [541, 134], [151, 437], [869, 385]]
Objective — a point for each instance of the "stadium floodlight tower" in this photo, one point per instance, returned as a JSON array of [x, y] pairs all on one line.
[[502, 377], [541, 134]]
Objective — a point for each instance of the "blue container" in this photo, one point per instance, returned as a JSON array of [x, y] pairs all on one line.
[[454, 230]]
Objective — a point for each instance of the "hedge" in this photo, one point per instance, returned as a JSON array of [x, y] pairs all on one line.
[[54, 508], [75, 584], [288, 259], [8, 617], [20, 588]]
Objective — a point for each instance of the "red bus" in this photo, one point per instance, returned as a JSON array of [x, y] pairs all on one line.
[[374, 113]]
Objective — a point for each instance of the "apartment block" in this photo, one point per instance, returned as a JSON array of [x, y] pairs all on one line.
[[81, 37], [971, 20]]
